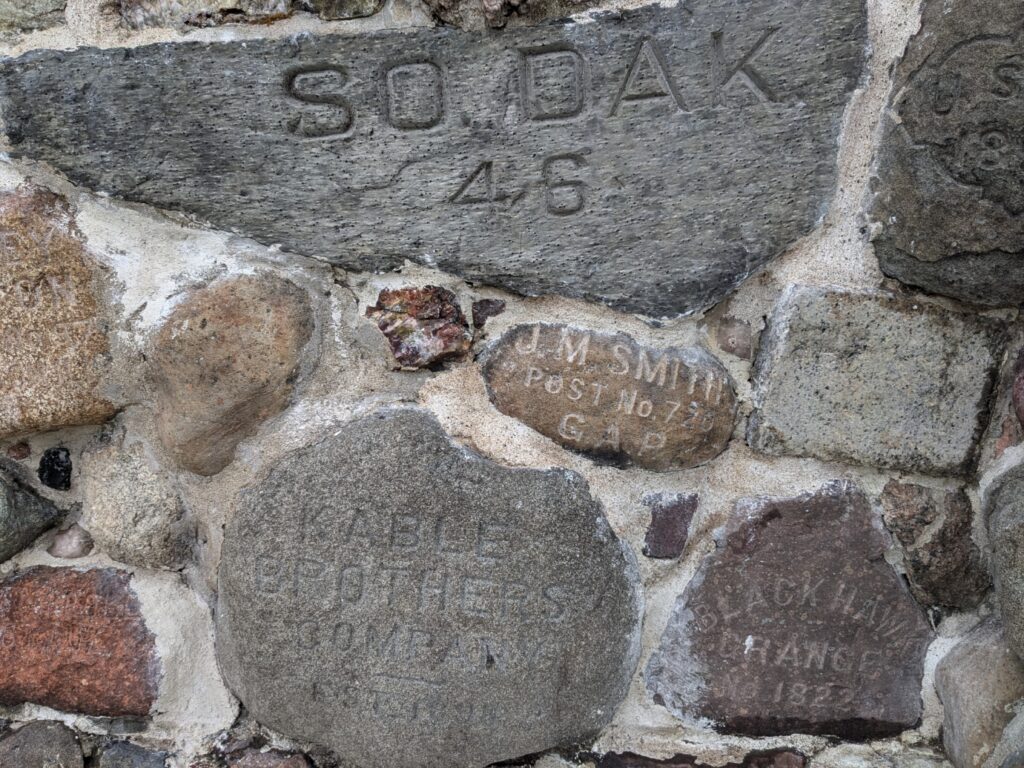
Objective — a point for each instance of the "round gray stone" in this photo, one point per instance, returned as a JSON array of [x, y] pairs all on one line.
[[403, 601]]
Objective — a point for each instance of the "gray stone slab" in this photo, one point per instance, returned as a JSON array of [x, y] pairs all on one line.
[[874, 379], [1004, 506], [950, 187], [402, 601], [42, 744], [23, 513], [650, 159], [796, 623]]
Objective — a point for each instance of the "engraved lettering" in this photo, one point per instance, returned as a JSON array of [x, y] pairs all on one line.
[[742, 71], [330, 114], [415, 95], [553, 83], [648, 78]]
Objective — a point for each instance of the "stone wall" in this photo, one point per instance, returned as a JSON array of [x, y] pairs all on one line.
[[525, 382]]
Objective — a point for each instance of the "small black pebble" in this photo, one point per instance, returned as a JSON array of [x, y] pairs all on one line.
[[55, 468]]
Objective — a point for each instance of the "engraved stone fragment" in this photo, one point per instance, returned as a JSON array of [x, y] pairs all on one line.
[[950, 187], [54, 348], [873, 379], [978, 682], [395, 598], [650, 159], [796, 623], [609, 397]]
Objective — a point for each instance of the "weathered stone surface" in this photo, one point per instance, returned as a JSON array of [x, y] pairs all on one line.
[[1009, 752], [19, 451], [736, 337], [72, 543], [132, 508], [123, 754], [671, 514], [23, 514], [977, 681], [1004, 507], [226, 360], [30, 14], [254, 758], [472, 14], [485, 309], [873, 379], [54, 346], [55, 468], [934, 526], [395, 598], [76, 641], [423, 326], [650, 159], [203, 13], [783, 758], [607, 396], [41, 745], [950, 193], [796, 623]]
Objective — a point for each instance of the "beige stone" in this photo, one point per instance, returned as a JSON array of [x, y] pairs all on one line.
[[53, 345], [607, 396], [224, 361], [132, 508]]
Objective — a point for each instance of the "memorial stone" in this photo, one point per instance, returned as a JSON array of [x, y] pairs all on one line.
[[389, 595], [950, 187], [874, 379], [796, 623], [651, 158], [609, 397]]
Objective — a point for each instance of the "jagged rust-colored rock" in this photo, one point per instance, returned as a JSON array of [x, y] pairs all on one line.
[[423, 326], [76, 641]]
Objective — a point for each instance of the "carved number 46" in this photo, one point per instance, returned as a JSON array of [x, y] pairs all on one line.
[[564, 195]]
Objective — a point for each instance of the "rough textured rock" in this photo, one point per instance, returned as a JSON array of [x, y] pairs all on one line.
[[225, 360], [671, 514], [55, 468], [609, 397], [123, 754], [254, 758], [41, 745], [30, 14], [423, 326], [389, 595], [650, 159], [949, 194], [873, 379], [1004, 506], [132, 508], [934, 526], [796, 623], [766, 759], [485, 309], [203, 13], [472, 14], [72, 543], [76, 641], [54, 348], [977, 681], [1009, 752], [23, 514], [735, 336]]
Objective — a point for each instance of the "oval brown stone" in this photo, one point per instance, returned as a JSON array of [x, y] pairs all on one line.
[[609, 397]]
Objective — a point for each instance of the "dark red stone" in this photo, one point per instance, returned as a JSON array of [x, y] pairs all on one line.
[[671, 514], [485, 309], [769, 759], [934, 526], [423, 326], [76, 641], [19, 451], [796, 624]]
